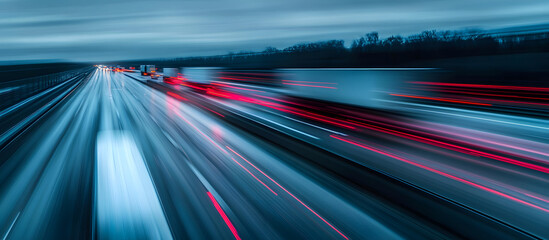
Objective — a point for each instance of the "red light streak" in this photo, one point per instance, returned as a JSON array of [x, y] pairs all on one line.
[[254, 176], [281, 100], [307, 82], [177, 96], [219, 114], [173, 80], [297, 199], [493, 95], [218, 93], [535, 89], [311, 115], [386, 130], [440, 173], [245, 73], [229, 86], [536, 197], [456, 148], [207, 108], [236, 79], [242, 78], [193, 86], [442, 99], [504, 145], [282, 108], [224, 216], [202, 133], [307, 85], [516, 102]]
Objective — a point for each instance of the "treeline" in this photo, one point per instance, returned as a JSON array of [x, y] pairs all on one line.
[[371, 51]]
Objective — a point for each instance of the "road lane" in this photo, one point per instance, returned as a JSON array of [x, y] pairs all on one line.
[[119, 159], [186, 153], [500, 172]]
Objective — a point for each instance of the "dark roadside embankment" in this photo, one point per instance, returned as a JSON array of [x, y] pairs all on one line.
[[16, 72]]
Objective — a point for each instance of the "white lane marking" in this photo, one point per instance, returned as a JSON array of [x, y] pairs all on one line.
[[11, 226], [467, 111], [237, 109], [209, 187], [273, 122], [127, 203], [312, 125], [284, 126]]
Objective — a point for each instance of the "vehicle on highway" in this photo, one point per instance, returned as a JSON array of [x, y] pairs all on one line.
[[199, 78], [364, 87], [172, 76], [147, 70]]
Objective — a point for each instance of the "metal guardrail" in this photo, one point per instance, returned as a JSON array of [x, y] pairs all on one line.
[[13, 92]]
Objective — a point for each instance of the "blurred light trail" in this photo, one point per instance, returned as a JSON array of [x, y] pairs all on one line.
[[309, 124], [11, 226], [199, 131], [284, 126], [124, 155], [442, 99], [457, 148], [248, 171], [293, 196], [440, 173], [248, 73], [209, 109], [535, 89], [177, 96], [126, 199], [295, 81], [474, 114], [308, 85], [492, 94], [283, 108], [509, 101], [191, 85], [224, 216], [230, 86]]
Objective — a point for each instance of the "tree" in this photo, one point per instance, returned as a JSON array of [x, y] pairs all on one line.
[[372, 38], [393, 41], [270, 50]]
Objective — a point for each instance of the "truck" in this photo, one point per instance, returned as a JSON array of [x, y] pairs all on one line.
[[364, 87], [147, 70]]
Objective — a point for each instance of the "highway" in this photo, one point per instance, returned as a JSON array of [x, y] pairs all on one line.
[[124, 158]]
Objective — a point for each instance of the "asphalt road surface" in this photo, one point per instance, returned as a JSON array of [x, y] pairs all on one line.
[[121, 158]]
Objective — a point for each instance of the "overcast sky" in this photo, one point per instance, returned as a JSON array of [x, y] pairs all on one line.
[[86, 30]]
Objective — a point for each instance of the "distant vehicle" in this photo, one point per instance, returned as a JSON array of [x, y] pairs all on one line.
[[119, 69], [155, 75], [200, 78], [148, 70], [365, 87], [172, 76]]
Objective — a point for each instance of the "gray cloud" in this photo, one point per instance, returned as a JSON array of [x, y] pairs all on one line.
[[106, 30]]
